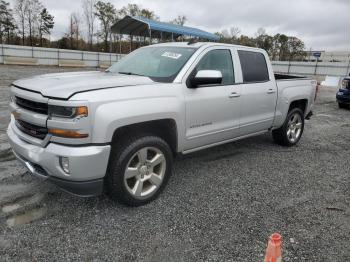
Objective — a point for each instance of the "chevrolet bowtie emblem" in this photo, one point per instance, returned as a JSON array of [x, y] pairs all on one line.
[[16, 114]]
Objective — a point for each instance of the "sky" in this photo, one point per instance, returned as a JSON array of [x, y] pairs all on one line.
[[321, 24]]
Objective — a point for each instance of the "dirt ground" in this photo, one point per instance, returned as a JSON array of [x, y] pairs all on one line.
[[221, 204]]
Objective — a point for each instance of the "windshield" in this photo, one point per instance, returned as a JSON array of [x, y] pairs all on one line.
[[161, 64]]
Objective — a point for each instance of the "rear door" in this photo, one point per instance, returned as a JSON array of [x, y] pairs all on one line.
[[258, 93], [212, 112]]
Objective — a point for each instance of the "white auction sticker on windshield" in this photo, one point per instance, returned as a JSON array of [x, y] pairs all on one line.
[[172, 55]]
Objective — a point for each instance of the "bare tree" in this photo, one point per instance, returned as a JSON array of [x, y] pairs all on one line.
[[32, 15], [130, 9], [230, 35], [179, 20], [21, 8], [74, 29], [261, 31], [235, 31], [90, 17]]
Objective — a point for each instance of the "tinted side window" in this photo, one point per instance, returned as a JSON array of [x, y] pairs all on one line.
[[221, 60], [254, 66]]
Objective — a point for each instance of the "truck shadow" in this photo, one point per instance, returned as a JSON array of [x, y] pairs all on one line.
[[54, 203]]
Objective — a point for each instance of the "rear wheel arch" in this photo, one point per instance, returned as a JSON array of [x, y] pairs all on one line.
[[300, 103]]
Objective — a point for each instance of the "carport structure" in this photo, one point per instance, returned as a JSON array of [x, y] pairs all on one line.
[[144, 27]]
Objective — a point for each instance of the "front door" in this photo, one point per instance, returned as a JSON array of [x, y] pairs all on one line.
[[212, 112]]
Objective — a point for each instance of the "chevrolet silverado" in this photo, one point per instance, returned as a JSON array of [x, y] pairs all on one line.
[[118, 131]]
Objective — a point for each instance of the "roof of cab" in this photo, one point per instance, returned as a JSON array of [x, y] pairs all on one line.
[[207, 44]]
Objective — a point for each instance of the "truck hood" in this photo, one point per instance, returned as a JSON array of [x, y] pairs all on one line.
[[64, 85]]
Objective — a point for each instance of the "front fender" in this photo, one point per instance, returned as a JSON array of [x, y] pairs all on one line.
[[111, 116]]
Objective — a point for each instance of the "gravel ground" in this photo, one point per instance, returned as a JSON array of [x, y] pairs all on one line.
[[221, 204]]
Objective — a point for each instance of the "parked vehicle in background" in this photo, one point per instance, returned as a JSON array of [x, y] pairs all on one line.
[[343, 95], [119, 130]]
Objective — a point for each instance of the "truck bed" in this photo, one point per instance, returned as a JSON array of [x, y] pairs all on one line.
[[281, 77]]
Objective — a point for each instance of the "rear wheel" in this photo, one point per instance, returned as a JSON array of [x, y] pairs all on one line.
[[291, 131], [139, 170]]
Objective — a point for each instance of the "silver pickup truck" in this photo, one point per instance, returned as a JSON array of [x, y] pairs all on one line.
[[117, 131]]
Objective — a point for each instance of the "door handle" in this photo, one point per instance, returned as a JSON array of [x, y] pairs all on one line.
[[234, 94], [271, 91]]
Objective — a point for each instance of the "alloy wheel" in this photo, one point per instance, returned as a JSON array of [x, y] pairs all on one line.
[[294, 127], [144, 172]]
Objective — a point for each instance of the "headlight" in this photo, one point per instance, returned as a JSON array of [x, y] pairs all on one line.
[[344, 84], [67, 111]]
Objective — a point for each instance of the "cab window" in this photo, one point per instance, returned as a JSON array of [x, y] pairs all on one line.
[[254, 67], [221, 60]]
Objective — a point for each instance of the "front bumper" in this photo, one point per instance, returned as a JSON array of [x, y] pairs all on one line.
[[343, 96], [343, 99], [88, 164]]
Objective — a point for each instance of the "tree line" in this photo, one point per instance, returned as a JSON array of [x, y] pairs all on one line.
[[96, 19], [29, 22], [279, 47]]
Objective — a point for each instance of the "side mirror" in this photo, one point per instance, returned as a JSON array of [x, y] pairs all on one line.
[[206, 77]]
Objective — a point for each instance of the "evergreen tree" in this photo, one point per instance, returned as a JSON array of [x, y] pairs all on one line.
[[46, 23], [106, 13], [7, 22]]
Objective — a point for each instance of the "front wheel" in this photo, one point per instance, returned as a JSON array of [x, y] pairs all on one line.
[[139, 170], [291, 131]]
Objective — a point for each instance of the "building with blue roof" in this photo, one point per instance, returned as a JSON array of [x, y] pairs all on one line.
[[141, 26]]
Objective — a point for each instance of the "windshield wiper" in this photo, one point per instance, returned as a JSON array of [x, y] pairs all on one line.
[[130, 73]]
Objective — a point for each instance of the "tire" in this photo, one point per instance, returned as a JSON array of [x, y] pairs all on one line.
[[284, 135], [132, 178], [341, 105]]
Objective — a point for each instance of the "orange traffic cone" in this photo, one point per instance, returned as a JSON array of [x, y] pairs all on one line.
[[274, 248]]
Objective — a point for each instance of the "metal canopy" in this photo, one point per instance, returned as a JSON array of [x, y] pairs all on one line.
[[140, 26]]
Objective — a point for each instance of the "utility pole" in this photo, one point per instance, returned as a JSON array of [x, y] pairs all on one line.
[[150, 36], [310, 54], [316, 66], [120, 44]]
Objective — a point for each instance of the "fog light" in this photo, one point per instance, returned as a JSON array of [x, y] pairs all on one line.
[[64, 162]]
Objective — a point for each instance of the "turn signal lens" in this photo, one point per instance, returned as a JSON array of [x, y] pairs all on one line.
[[81, 111], [67, 133]]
